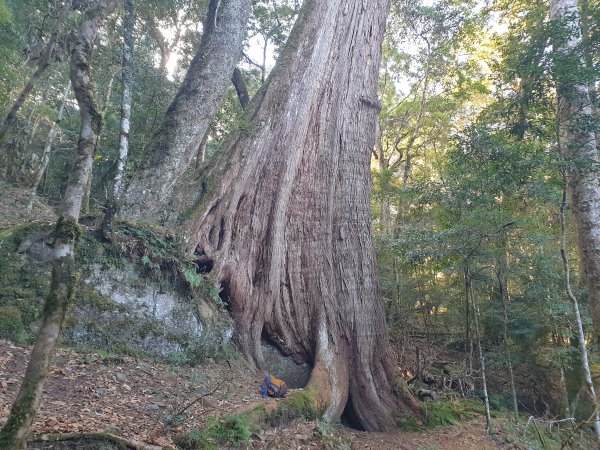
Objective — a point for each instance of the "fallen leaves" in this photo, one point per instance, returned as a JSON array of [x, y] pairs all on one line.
[[83, 395], [87, 392]]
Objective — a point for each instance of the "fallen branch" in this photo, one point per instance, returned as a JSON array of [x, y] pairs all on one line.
[[196, 401], [119, 442], [589, 421]]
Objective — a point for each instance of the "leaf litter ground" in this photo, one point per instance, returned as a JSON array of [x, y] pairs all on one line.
[[140, 400]]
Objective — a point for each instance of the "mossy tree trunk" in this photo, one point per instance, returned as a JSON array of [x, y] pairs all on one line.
[[285, 215], [14, 432], [148, 196]]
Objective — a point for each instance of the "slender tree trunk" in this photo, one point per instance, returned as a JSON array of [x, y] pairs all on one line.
[[578, 144], [263, 67], [193, 109], [575, 303], [285, 215], [115, 198], [41, 68], [105, 105], [33, 132], [486, 398], [48, 147], [511, 372], [502, 275], [385, 211], [468, 337], [564, 392], [408, 150], [14, 432]]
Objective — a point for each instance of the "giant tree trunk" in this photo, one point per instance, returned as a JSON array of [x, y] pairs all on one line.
[[578, 143], [285, 215], [192, 111], [14, 432]]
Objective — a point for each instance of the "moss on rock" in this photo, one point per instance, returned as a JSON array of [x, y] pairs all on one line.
[[11, 324], [111, 274]]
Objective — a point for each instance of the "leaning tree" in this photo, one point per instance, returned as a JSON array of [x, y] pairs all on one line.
[[14, 433], [283, 218], [188, 118]]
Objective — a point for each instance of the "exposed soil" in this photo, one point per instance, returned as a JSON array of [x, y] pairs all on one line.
[[468, 436], [137, 399]]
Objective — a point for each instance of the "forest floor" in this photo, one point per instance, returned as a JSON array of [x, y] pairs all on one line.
[[136, 399]]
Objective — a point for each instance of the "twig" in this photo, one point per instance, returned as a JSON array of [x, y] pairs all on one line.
[[197, 400], [589, 421]]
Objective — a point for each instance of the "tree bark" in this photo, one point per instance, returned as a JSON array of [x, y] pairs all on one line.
[[48, 147], [580, 334], [41, 68], [115, 198], [240, 87], [192, 111], [502, 275], [85, 208], [589, 63], [564, 393], [486, 398], [14, 432], [578, 144], [285, 215]]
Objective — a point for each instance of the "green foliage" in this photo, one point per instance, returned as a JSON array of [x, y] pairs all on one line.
[[451, 411], [273, 21], [146, 261], [11, 324], [296, 404], [5, 14], [192, 277], [24, 282], [326, 435], [408, 424], [233, 430], [539, 434]]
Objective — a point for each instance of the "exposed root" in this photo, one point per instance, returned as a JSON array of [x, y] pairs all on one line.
[[87, 440]]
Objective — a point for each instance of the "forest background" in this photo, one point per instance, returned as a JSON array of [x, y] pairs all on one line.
[[468, 173]]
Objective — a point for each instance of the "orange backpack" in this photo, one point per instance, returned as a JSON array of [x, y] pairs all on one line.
[[273, 387]]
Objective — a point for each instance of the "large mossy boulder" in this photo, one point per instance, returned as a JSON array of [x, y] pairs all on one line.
[[134, 295]]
